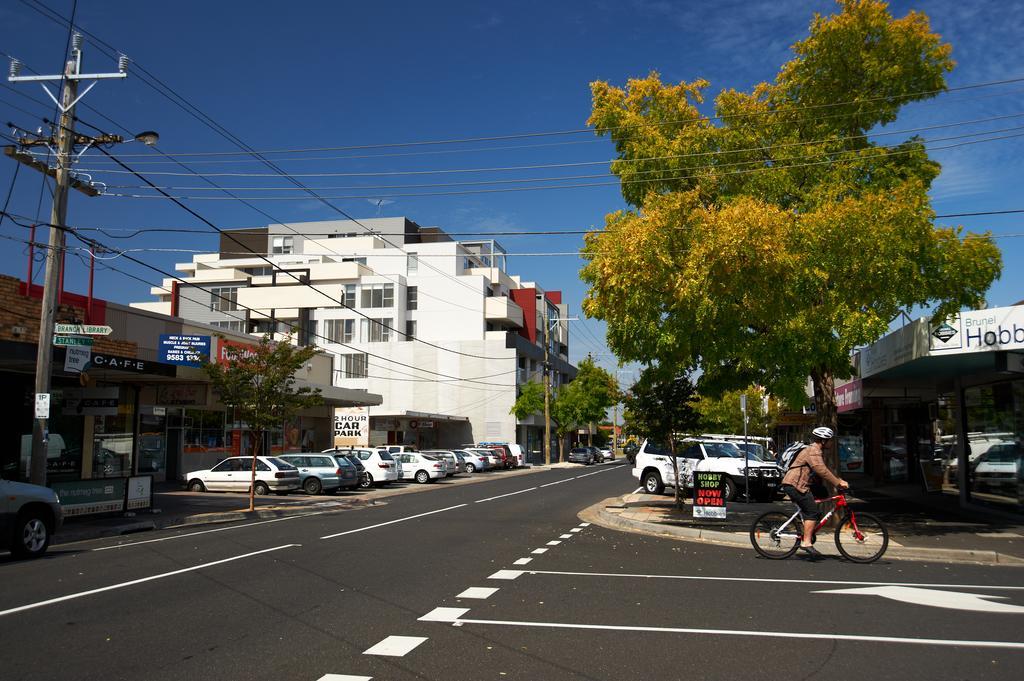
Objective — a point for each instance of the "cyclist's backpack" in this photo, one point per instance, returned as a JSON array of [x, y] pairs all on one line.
[[785, 458]]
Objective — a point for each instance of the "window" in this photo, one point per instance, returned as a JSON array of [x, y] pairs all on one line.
[[282, 244], [224, 299], [350, 296], [339, 330], [375, 330], [411, 298], [410, 330], [353, 366], [378, 295], [413, 263], [360, 261], [258, 271], [237, 325], [271, 326]]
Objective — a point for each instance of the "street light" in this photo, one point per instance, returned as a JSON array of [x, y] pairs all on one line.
[[147, 137]]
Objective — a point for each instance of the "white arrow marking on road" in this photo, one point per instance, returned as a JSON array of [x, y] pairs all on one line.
[[954, 600]]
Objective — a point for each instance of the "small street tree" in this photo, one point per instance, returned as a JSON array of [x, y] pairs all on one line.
[[722, 414], [765, 243], [659, 405], [258, 383], [594, 391]]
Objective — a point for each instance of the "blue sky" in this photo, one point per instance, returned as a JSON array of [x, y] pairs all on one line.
[[336, 74]]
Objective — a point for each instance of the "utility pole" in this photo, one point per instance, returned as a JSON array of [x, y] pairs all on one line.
[[547, 387], [64, 140]]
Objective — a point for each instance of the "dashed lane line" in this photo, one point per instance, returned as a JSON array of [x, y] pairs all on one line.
[[554, 542], [539, 551], [502, 496], [522, 561], [479, 592], [576, 529], [392, 522], [395, 646], [344, 677], [565, 536]]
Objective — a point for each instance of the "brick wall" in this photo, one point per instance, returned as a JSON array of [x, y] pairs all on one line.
[[20, 311]]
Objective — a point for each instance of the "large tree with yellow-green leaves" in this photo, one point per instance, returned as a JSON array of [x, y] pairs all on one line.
[[766, 242]]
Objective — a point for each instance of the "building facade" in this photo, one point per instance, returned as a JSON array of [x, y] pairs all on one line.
[[437, 327]]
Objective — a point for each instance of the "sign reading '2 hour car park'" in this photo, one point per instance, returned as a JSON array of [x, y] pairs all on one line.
[[184, 350]]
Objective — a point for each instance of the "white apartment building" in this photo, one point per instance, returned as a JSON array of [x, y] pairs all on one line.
[[435, 326]]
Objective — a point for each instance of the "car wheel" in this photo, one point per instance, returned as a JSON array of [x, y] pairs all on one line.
[[470, 468], [31, 535], [261, 488], [653, 484], [313, 486], [730, 489], [422, 477], [196, 486], [366, 482]]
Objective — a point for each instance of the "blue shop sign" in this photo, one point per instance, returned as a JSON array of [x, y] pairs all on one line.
[[183, 350]]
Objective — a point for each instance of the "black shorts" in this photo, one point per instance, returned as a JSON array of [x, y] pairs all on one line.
[[805, 500]]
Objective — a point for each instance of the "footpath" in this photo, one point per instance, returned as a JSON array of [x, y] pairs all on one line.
[[175, 507], [921, 528]]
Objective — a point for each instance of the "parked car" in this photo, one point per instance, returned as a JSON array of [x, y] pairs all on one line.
[[234, 474], [362, 479], [29, 517], [421, 467], [380, 465], [321, 473], [581, 455], [475, 460], [630, 449], [446, 465], [514, 453], [493, 458], [606, 454], [997, 469], [455, 465], [653, 467], [397, 459]]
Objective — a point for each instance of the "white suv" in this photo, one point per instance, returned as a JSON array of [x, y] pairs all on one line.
[[653, 468], [29, 516], [381, 467]]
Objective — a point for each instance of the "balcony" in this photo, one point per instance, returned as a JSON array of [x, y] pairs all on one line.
[[502, 310]]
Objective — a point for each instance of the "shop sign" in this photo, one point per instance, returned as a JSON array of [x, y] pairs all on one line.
[[708, 494], [140, 492], [132, 364], [417, 424], [849, 396], [76, 359], [997, 328], [90, 401], [181, 395], [82, 497], [184, 350], [351, 426], [240, 350]]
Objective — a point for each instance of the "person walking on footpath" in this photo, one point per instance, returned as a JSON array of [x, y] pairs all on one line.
[[808, 465]]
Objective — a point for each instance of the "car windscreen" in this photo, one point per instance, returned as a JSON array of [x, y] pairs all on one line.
[[722, 450], [754, 450]]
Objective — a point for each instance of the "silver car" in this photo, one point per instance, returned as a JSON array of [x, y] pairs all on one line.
[[318, 473], [475, 461], [455, 464], [29, 517]]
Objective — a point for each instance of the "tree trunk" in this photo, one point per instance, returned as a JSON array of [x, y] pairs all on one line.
[[675, 472], [257, 442]]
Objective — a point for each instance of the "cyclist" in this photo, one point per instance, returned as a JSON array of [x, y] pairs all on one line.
[[798, 479]]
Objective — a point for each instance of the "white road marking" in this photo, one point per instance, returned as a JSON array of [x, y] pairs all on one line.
[[506, 574], [584, 524], [219, 529], [539, 551], [770, 580], [133, 582], [554, 542], [954, 600], [480, 592], [395, 646], [576, 529], [565, 536], [637, 490], [522, 561], [743, 632], [444, 614], [501, 496], [344, 677], [392, 522], [557, 482]]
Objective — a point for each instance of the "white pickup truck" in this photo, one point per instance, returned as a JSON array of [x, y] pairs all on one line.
[[653, 468]]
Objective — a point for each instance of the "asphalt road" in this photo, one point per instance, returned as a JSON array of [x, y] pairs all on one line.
[[435, 586]]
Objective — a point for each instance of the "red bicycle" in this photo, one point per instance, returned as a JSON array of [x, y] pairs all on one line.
[[860, 537]]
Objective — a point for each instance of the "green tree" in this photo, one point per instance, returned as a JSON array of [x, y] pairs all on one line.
[[258, 382], [766, 244], [721, 414], [659, 406], [530, 400]]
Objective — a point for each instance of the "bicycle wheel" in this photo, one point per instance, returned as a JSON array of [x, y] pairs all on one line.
[[861, 537], [771, 540]]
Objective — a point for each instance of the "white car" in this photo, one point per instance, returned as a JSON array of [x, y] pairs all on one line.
[[606, 454], [475, 460], [420, 467], [234, 474], [653, 468], [380, 464]]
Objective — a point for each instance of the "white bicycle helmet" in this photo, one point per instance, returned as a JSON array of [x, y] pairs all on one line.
[[823, 432]]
